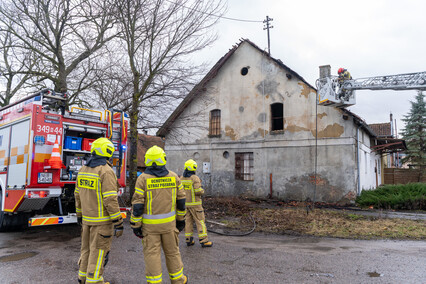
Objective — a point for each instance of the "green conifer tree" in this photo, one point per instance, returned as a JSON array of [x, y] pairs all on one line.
[[415, 133]]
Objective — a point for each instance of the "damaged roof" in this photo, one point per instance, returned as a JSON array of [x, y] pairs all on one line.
[[201, 86], [360, 122]]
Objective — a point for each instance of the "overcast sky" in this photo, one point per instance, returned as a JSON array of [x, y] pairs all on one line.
[[369, 38]]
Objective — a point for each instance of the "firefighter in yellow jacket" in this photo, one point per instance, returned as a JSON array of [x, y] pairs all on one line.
[[344, 75], [194, 207], [158, 215], [98, 211]]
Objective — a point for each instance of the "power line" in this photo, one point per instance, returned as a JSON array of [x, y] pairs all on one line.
[[239, 20], [218, 16]]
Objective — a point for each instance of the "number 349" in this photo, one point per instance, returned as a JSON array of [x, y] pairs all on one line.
[[49, 129]]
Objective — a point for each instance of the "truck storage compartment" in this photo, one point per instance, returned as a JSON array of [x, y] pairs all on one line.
[[87, 144], [72, 143]]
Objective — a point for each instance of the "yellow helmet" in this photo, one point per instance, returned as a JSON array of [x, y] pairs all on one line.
[[191, 165], [155, 155], [102, 147]]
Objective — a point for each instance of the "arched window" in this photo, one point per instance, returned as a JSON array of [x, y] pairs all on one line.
[[214, 127], [277, 116]]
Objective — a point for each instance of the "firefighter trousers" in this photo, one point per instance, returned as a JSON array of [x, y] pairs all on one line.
[[152, 244], [195, 214], [95, 246]]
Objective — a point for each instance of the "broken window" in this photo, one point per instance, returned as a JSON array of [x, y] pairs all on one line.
[[244, 166], [214, 127], [277, 116]]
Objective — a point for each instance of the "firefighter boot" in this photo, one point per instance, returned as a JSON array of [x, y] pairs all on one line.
[[190, 242], [207, 244]]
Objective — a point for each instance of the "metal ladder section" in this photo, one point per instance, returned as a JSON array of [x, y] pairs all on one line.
[[410, 81]]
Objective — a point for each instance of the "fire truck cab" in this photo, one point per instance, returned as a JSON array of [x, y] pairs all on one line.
[[33, 190]]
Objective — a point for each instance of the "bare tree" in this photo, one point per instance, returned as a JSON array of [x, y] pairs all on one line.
[[12, 66], [159, 36], [62, 35], [112, 81]]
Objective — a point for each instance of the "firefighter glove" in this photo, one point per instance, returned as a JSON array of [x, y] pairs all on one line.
[[80, 221], [118, 228], [138, 232], [180, 225]]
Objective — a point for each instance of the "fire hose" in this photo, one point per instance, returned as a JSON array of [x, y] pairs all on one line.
[[231, 234]]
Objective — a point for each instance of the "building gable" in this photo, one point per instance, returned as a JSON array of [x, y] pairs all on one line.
[[216, 70]]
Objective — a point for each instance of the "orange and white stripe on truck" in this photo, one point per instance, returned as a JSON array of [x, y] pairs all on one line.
[[56, 220]]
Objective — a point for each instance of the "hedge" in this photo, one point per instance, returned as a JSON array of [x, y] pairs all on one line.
[[410, 196]]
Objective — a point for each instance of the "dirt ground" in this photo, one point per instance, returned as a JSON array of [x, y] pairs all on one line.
[[233, 215]]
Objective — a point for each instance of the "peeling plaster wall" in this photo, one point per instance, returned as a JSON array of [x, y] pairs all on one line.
[[288, 155]]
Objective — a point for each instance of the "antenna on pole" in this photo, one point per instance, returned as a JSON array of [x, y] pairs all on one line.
[[267, 27]]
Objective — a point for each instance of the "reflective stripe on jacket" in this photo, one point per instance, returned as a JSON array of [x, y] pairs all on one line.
[[193, 190], [96, 195], [159, 196]]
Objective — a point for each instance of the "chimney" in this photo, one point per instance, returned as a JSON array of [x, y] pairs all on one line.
[[391, 123], [325, 71]]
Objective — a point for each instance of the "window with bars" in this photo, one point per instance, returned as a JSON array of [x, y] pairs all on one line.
[[277, 117], [214, 127], [244, 166]]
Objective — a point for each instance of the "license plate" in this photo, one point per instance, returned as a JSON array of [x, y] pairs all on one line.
[[44, 178]]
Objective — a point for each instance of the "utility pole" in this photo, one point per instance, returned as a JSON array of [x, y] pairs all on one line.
[[267, 27]]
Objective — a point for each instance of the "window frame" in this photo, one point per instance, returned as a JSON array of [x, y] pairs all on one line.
[[244, 166], [275, 119], [214, 123]]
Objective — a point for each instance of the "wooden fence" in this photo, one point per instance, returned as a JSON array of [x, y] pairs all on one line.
[[403, 176]]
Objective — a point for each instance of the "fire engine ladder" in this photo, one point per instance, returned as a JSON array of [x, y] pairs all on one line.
[[116, 133], [411, 81], [330, 92], [56, 101]]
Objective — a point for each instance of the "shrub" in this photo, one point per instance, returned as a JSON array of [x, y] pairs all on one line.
[[410, 196]]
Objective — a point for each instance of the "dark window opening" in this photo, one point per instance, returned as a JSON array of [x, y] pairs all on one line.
[[277, 117], [214, 127], [244, 166], [244, 71]]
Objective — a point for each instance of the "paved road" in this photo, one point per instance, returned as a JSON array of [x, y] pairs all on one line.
[[50, 254]]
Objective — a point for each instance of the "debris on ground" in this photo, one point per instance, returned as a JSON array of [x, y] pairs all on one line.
[[305, 218]]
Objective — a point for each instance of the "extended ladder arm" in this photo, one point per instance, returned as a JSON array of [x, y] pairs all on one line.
[[411, 81], [331, 92]]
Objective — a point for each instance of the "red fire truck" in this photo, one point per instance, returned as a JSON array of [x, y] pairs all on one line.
[[33, 189]]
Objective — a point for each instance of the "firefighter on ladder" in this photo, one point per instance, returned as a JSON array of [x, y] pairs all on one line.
[[194, 207], [158, 215], [344, 75], [97, 210]]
